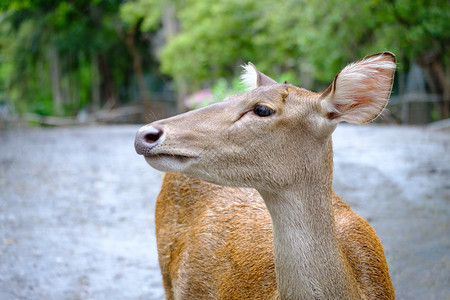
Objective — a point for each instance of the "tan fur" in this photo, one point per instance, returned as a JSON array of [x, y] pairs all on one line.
[[286, 235], [220, 240], [214, 242]]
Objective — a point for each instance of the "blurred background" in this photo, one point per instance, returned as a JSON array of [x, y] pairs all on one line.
[[77, 203], [75, 62]]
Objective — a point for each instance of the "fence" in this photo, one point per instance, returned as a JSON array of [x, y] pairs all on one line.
[[415, 108]]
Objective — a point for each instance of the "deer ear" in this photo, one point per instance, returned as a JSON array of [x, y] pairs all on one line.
[[252, 78], [361, 90]]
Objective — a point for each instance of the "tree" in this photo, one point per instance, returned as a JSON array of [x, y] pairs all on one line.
[[306, 37], [59, 56], [138, 16], [74, 43]]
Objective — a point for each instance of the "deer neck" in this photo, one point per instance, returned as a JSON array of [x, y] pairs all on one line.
[[309, 263]]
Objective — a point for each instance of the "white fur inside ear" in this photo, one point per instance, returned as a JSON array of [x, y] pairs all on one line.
[[249, 77], [367, 69], [361, 90]]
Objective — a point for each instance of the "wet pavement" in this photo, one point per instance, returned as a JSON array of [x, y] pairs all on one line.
[[77, 209]]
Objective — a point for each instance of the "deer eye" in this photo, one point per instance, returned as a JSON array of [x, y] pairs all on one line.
[[263, 111]]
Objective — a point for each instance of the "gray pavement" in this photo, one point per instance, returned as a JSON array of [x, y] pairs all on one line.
[[77, 209]]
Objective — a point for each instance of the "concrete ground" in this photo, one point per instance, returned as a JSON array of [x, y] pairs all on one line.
[[77, 209]]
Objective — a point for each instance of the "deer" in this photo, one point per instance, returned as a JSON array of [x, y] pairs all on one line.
[[246, 208]]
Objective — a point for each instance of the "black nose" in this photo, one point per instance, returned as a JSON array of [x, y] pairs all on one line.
[[147, 138]]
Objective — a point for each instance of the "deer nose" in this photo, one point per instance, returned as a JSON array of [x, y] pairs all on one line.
[[147, 138]]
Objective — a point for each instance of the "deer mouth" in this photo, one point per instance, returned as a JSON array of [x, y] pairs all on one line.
[[171, 162], [170, 156]]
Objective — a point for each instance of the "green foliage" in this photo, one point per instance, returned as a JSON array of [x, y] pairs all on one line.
[[313, 37], [146, 11], [302, 41], [222, 88], [214, 36], [80, 32]]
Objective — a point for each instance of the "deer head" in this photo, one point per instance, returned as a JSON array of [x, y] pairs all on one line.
[[272, 135]]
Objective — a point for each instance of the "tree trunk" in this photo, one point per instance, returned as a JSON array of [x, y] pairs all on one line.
[[171, 27], [108, 86], [437, 79], [443, 81], [55, 74], [447, 93], [130, 40], [95, 83]]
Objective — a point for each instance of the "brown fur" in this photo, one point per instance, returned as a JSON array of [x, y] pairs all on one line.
[[215, 242], [206, 236]]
